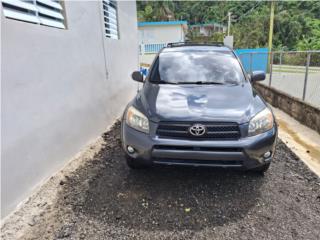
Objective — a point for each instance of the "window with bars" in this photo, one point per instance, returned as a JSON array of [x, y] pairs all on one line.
[[110, 12], [44, 12]]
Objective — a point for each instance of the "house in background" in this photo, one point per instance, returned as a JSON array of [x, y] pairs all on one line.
[[155, 35], [162, 32], [65, 78], [207, 29]]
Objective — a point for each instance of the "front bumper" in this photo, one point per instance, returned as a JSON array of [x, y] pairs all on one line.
[[246, 153]]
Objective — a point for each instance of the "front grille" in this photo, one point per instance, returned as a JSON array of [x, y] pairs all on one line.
[[214, 131], [196, 148]]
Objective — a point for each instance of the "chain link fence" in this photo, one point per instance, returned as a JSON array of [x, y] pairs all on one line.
[[296, 73]]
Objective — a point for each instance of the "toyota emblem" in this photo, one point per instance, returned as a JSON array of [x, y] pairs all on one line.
[[197, 129]]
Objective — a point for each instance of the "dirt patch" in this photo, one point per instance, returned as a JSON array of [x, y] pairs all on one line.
[[103, 199]]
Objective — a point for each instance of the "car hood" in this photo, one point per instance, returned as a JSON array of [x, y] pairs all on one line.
[[167, 102]]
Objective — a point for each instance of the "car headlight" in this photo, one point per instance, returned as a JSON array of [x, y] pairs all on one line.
[[137, 120], [261, 123]]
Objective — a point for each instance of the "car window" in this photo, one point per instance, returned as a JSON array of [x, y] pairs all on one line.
[[197, 67]]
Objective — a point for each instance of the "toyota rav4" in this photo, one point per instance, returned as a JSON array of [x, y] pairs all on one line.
[[198, 107]]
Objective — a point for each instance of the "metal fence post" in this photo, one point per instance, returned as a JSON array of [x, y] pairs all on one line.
[[271, 62], [306, 76], [280, 61], [250, 62]]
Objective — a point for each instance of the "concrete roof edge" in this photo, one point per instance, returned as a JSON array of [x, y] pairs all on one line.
[[141, 24]]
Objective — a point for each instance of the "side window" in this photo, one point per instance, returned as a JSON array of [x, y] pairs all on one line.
[[43, 12], [110, 13]]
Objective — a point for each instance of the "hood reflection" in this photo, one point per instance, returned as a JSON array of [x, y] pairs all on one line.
[[164, 102]]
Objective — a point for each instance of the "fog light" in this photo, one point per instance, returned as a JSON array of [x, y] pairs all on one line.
[[267, 154], [130, 149]]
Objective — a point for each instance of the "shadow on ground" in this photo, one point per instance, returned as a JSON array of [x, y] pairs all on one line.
[[166, 198]]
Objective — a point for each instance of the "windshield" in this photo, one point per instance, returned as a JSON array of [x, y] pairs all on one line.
[[200, 67]]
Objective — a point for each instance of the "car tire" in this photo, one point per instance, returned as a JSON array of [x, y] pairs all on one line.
[[134, 163], [262, 169]]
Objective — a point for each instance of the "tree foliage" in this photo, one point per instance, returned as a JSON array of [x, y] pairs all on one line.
[[296, 24]]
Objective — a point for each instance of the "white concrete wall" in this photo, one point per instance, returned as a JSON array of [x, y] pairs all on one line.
[[161, 34], [58, 92]]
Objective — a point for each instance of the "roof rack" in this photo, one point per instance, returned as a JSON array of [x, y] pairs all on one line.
[[181, 44]]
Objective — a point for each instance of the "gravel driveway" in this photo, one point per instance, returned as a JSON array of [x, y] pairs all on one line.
[[105, 200]]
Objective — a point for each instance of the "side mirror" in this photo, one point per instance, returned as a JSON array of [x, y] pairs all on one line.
[[258, 76], [137, 76]]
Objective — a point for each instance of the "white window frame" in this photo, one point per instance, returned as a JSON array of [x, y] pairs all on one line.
[[110, 18], [43, 12]]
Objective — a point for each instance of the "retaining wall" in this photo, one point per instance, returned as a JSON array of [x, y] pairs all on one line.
[[303, 112]]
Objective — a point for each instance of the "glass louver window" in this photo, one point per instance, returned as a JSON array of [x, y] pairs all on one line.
[[44, 12], [110, 19]]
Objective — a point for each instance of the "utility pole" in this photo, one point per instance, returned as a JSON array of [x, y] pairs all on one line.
[[229, 22], [270, 58], [228, 40], [271, 25]]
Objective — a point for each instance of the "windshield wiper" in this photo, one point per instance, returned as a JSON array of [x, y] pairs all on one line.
[[200, 82], [162, 82]]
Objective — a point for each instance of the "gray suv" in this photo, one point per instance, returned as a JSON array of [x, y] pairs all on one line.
[[197, 107]]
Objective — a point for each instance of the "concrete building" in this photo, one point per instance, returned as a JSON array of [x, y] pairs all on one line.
[[162, 32], [65, 78]]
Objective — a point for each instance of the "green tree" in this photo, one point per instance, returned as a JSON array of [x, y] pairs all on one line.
[[312, 39], [296, 24]]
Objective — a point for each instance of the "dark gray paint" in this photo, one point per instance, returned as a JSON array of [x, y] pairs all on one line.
[[199, 103]]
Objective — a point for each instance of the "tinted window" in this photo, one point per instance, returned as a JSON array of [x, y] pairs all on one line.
[[197, 67]]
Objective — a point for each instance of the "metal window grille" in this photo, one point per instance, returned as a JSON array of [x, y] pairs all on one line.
[[110, 12], [44, 12]]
